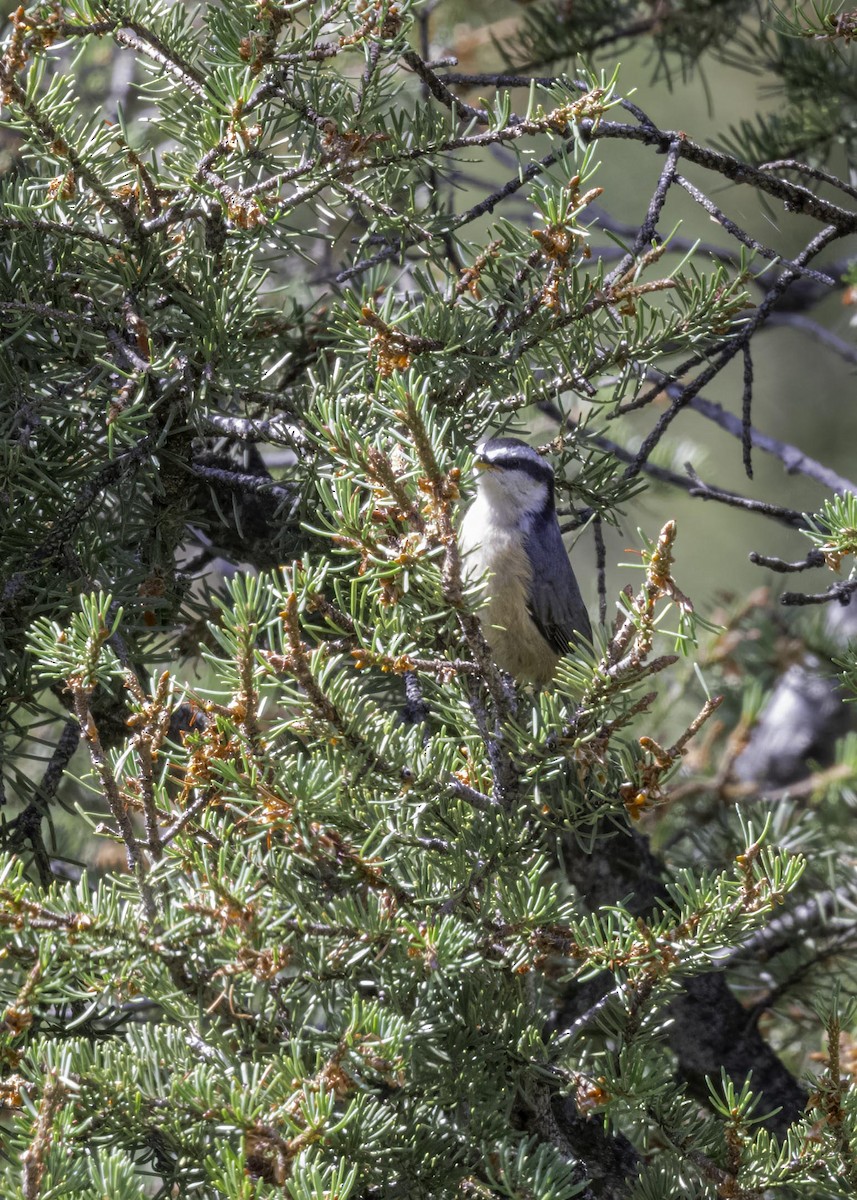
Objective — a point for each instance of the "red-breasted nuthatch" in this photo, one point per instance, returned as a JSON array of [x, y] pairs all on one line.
[[532, 611]]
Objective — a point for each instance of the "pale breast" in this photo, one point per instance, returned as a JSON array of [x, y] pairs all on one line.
[[510, 631]]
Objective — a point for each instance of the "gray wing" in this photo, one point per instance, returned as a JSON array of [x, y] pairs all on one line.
[[556, 604]]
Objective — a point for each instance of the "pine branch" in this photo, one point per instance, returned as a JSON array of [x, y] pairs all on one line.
[[710, 1028]]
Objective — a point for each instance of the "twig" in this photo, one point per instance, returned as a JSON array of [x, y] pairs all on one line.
[[67, 743], [441, 92], [34, 1158], [837, 591], [240, 482], [600, 568], [478, 800], [278, 429], [662, 378], [201, 800], [486, 205], [694, 486], [745, 239], [26, 826], [814, 559], [372, 59], [797, 199], [647, 230], [787, 516], [144, 41], [793, 459], [746, 411], [477, 875], [118, 807], [682, 245], [684, 395], [59, 227], [784, 932], [791, 164]]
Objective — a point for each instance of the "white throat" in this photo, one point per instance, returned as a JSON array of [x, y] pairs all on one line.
[[510, 498]]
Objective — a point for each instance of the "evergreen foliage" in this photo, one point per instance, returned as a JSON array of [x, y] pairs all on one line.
[[384, 925]]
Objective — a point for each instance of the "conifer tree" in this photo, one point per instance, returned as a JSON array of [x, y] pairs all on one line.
[[382, 924]]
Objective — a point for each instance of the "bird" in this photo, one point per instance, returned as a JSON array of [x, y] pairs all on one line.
[[531, 609]]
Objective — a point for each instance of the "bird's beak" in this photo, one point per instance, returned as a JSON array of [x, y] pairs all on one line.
[[482, 464]]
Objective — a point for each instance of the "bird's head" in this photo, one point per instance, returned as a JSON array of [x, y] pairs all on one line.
[[514, 479]]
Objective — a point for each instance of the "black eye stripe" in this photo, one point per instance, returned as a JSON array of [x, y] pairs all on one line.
[[511, 454], [541, 472]]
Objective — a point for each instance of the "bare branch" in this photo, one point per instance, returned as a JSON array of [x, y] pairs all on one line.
[[841, 592], [684, 395], [792, 458], [745, 239], [647, 230], [814, 559]]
